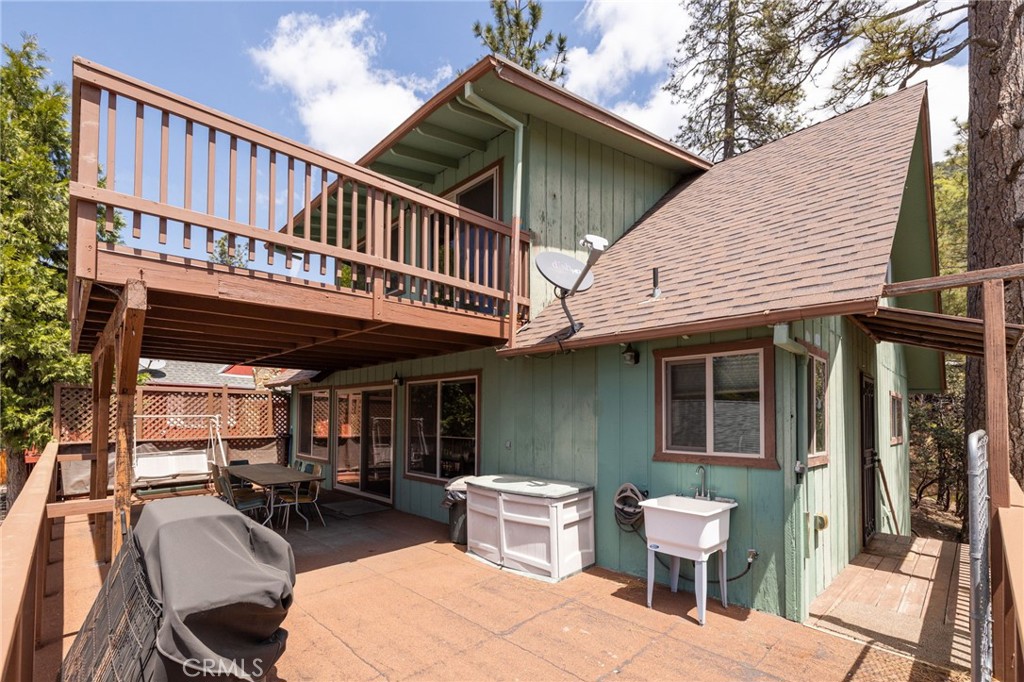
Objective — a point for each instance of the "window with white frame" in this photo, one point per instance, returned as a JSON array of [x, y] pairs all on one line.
[[817, 407], [712, 405], [895, 418], [441, 427]]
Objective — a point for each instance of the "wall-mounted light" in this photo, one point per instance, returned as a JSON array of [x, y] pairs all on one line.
[[397, 380], [630, 356]]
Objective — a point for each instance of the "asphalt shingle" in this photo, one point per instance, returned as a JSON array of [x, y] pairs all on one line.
[[804, 222]]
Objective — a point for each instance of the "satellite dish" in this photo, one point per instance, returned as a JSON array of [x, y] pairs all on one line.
[[569, 275], [146, 364], [563, 271]]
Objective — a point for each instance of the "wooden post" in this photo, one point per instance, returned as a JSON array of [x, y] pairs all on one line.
[[123, 332], [997, 418], [102, 377], [997, 408]]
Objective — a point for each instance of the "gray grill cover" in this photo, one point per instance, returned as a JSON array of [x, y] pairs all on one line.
[[225, 583]]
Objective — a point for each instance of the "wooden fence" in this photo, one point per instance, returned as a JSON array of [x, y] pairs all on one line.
[[244, 413]]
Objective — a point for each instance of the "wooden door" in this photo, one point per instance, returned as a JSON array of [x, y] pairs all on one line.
[[869, 458]]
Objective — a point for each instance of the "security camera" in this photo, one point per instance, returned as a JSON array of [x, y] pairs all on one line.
[[594, 243]]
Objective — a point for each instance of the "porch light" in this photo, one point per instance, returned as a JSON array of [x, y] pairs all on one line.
[[397, 380], [630, 356]]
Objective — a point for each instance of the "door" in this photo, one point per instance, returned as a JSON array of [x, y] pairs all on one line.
[[869, 458], [364, 450]]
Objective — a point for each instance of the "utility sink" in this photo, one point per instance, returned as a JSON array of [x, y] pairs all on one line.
[[688, 528]]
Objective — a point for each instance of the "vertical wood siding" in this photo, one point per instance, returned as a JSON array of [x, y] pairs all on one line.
[[576, 186], [586, 416]]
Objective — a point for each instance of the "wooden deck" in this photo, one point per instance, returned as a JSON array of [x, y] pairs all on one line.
[[386, 596], [908, 595], [254, 249]]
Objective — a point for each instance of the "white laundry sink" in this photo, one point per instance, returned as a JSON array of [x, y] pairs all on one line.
[[688, 528], [685, 526]]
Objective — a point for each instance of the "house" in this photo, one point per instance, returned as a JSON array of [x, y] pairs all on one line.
[[753, 358], [405, 288]]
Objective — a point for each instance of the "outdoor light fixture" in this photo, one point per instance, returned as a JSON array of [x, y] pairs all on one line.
[[630, 356], [397, 380]]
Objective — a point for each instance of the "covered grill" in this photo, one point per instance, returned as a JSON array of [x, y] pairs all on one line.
[[199, 591]]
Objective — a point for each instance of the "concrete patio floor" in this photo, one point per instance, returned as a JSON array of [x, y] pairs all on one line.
[[385, 595]]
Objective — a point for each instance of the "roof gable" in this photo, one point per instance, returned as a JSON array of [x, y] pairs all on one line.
[[800, 227]]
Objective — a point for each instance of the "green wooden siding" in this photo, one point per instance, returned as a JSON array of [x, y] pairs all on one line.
[[586, 416], [575, 186]]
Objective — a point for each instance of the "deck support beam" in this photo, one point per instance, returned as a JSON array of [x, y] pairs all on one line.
[[102, 378], [122, 337]]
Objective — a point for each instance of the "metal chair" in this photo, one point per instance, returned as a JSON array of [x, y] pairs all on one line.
[[290, 499], [243, 500]]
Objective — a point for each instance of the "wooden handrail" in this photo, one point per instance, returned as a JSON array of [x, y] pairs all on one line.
[[1011, 528], [20, 538], [953, 281], [122, 84], [385, 241]]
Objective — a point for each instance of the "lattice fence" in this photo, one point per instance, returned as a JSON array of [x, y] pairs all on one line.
[[245, 413]]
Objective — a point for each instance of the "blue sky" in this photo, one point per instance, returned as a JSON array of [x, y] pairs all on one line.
[[340, 75]]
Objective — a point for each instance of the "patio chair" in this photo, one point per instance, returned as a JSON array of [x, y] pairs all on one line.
[[236, 482], [243, 500], [309, 496]]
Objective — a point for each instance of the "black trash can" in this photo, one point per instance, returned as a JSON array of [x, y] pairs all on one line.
[[455, 501]]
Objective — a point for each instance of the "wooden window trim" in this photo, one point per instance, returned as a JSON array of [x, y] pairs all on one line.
[[817, 458], [767, 460], [421, 477], [894, 439], [475, 179]]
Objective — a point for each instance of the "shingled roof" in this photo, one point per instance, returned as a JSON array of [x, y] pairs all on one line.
[[802, 227]]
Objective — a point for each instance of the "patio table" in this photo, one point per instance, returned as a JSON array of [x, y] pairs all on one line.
[[271, 476]]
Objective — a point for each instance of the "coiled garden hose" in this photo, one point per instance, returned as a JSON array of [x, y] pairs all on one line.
[[629, 516]]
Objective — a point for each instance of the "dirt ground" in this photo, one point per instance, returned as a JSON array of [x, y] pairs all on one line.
[[929, 521]]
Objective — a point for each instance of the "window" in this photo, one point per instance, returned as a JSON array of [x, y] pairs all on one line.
[[480, 193], [817, 407], [712, 406], [314, 422], [895, 418], [441, 429]]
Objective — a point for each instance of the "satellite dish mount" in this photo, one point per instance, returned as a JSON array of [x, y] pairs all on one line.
[[570, 276]]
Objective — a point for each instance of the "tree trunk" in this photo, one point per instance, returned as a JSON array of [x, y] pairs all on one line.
[[995, 202], [729, 114], [17, 474]]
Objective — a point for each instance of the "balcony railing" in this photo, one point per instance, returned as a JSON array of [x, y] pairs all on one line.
[[157, 176]]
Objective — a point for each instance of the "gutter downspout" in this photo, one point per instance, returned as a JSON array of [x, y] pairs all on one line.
[[517, 199]]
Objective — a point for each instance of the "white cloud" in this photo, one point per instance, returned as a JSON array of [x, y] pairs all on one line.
[[345, 100], [637, 38]]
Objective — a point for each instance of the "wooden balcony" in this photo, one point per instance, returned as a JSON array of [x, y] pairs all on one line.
[[255, 249]]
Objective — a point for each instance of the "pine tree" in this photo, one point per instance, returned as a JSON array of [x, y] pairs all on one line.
[[34, 166], [742, 68], [512, 36]]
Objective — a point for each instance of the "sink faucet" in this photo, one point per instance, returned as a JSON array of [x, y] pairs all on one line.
[[702, 491]]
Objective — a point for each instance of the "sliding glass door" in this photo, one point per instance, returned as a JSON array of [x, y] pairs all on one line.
[[364, 435]]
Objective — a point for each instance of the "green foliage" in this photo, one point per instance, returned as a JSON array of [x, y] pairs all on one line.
[[742, 64], [35, 166], [512, 36], [224, 256], [950, 181], [897, 43], [937, 443]]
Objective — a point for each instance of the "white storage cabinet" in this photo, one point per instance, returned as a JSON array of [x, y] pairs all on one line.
[[541, 528]]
